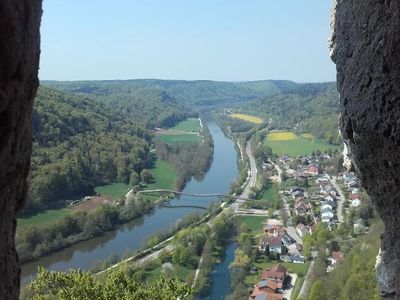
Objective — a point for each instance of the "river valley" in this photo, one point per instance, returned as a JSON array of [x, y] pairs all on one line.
[[132, 235]]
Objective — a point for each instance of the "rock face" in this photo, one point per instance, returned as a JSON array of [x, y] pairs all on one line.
[[365, 46], [19, 62]]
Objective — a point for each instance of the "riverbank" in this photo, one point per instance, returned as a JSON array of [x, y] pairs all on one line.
[[88, 218]]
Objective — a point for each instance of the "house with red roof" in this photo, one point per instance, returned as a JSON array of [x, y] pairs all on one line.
[[271, 285], [312, 170], [274, 230]]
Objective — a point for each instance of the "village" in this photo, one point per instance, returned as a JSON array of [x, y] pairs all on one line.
[[312, 201]]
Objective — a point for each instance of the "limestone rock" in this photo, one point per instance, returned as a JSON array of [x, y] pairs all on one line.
[[19, 63], [365, 45]]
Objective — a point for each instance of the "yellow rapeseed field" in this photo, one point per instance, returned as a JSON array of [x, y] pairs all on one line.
[[248, 118], [282, 136]]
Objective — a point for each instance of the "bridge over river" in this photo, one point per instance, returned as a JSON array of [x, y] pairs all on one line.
[[166, 193]]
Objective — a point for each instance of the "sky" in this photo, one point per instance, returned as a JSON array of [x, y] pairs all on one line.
[[225, 40]]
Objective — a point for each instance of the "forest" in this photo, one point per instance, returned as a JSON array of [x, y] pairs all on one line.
[[199, 94], [312, 108], [80, 142]]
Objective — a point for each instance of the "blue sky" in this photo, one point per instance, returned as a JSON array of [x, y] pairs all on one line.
[[231, 40]]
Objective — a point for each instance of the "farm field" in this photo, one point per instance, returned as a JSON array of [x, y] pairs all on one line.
[[190, 124], [289, 143], [247, 118], [179, 138], [44, 216], [184, 132]]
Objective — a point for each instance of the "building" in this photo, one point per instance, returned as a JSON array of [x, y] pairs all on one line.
[[302, 230], [274, 230], [312, 170], [337, 257], [274, 244]]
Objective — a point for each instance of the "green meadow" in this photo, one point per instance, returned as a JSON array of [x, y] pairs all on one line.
[[302, 145]]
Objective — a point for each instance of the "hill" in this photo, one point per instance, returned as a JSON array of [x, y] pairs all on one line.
[[197, 93], [79, 143], [311, 107]]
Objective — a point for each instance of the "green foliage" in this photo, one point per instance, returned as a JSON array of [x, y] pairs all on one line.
[[79, 144], [316, 291], [79, 285], [188, 159], [354, 277], [134, 179], [38, 240]]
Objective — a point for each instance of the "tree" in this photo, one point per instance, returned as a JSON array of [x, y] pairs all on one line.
[[79, 285], [316, 291], [146, 176], [241, 259], [134, 179]]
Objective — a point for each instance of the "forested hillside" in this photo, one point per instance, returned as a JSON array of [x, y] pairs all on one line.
[[79, 143], [197, 93], [310, 108]]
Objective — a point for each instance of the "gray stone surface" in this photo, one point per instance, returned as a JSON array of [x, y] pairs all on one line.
[[365, 46], [19, 62]]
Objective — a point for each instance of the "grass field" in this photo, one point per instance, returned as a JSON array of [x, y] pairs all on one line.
[[271, 193], [182, 133], [153, 271], [290, 144], [247, 118], [254, 223], [113, 190], [42, 217], [189, 125], [164, 176], [179, 138]]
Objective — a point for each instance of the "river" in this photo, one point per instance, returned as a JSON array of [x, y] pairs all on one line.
[[132, 235], [221, 276]]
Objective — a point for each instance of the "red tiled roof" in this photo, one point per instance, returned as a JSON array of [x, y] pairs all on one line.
[[338, 256], [269, 296], [354, 196], [277, 272]]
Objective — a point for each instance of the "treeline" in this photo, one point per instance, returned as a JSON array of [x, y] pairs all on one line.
[[240, 267], [79, 144], [38, 240], [192, 94], [149, 105], [310, 108], [191, 159]]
